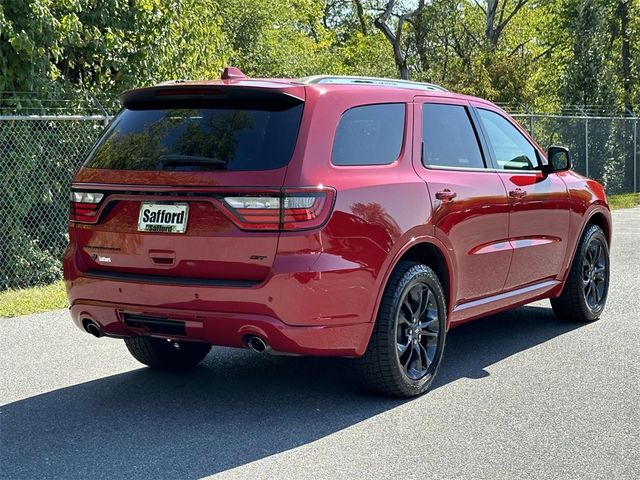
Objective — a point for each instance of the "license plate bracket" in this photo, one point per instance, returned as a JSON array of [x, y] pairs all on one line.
[[163, 217]]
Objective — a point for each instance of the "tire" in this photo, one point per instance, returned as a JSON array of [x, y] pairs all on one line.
[[162, 353], [585, 291], [386, 368]]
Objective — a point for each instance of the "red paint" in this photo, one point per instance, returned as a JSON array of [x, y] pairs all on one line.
[[539, 216], [317, 291]]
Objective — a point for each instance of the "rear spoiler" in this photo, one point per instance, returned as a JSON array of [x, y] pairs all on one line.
[[189, 95]]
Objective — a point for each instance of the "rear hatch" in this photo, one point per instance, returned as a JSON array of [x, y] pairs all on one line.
[[185, 185]]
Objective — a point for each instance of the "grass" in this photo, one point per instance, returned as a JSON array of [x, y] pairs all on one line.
[[624, 200], [32, 300]]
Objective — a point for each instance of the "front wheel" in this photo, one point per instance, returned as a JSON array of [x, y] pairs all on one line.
[[166, 354], [585, 291], [407, 341]]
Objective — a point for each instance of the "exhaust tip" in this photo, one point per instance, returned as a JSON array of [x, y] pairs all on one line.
[[93, 329], [257, 344]]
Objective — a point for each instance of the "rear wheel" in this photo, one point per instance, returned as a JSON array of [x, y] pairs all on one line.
[[407, 341], [585, 291], [168, 354]]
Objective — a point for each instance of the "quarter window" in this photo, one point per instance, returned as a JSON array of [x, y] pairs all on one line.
[[511, 149], [448, 137], [369, 135]]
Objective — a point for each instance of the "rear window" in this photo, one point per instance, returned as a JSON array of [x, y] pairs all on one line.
[[193, 139], [369, 135]]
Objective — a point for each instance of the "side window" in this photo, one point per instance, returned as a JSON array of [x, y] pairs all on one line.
[[510, 148], [448, 137], [369, 135]]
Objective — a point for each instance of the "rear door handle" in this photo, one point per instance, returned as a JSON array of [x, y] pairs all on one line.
[[446, 195], [517, 193]]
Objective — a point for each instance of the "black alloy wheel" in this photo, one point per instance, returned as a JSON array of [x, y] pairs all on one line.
[[408, 337], [417, 330], [594, 275]]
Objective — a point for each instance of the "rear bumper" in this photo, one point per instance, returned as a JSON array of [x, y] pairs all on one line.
[[230, 329], [311, 312]]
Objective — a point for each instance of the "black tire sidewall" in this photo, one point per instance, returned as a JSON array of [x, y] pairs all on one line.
[[413, 274], [593, 232], [160, 353]]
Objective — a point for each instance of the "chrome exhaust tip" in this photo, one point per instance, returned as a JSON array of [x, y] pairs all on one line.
[[93, 329], [258, 345]]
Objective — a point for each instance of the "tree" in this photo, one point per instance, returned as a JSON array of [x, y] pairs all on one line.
[[394, 35], [621, 29], [588, 81], [105, 46], [497, 17]]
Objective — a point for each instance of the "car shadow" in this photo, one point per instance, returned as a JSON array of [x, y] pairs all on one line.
[[238, 407]]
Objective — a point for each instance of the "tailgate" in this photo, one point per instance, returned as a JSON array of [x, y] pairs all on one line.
[[150, 199]]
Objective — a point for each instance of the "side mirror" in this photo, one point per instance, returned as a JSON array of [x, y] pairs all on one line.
[[558, 158]]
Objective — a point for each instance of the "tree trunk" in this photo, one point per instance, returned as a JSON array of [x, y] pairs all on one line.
[[403, 70], [361, 17], [395, 39], [497, 18], [490, 31]]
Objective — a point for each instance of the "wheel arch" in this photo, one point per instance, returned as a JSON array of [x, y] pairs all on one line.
[[597, 214], [598, 218], [428, 251], [431, 256]]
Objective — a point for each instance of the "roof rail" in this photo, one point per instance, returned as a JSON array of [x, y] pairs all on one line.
[[385, 82]]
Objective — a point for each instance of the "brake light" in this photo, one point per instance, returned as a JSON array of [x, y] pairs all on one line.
[[84, 206], [188, 91], [293, 209]]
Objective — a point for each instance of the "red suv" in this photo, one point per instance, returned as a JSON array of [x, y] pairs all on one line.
[[344, 216]]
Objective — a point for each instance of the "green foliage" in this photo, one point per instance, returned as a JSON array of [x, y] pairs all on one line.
[[545, 53], [106, 46], [587, 80], [282, 38]]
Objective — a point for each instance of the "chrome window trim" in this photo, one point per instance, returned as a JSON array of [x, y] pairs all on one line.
[[470, 169]]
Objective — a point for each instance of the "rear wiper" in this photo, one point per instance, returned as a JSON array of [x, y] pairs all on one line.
[[190, 159]]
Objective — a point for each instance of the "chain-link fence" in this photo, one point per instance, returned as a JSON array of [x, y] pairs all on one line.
[[39, 153], [605, 148], [38, 156]]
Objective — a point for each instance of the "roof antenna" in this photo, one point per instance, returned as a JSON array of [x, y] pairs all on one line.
[[232, 73]]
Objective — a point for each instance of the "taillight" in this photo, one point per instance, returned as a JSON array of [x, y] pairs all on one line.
[[293, 209], [254, 212], [302, 210], [84, 206]]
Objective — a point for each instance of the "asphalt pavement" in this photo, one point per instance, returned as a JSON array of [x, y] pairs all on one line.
[[520, 395]]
